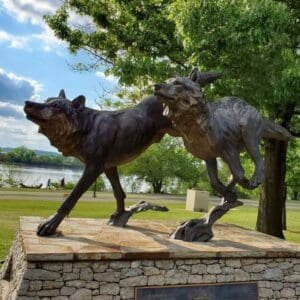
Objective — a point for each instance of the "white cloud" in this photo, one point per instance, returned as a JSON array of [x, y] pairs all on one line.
[[33, 11], [14, 41], [109, 78], [11, 110], [17, 132], [15, 129], [47, 37], [15, 89]]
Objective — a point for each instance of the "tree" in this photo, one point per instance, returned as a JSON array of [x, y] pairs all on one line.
[[21, 154], [253, 42], [164, 162], [134, 39]]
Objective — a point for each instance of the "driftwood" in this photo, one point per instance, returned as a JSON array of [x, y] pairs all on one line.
[[31, 186]]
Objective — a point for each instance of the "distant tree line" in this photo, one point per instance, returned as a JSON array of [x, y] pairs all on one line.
[[27, 156], [167, 167]]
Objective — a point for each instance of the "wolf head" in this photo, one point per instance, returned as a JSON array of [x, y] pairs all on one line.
[[184, 93], [57, 117]]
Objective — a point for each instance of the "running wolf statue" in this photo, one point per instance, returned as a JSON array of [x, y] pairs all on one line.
[[209, 130], [102, 140]]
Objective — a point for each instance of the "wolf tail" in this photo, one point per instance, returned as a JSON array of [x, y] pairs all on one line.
[[277, 132]]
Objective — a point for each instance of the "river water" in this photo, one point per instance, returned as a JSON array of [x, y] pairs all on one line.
[[31, 175]]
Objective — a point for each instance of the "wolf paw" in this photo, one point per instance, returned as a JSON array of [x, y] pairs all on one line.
[[49, 226], [120, 219]]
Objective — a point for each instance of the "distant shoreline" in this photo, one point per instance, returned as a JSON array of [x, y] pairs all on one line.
[[46, 166]]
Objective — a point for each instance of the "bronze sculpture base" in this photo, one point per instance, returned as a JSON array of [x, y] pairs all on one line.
[[200, 230]]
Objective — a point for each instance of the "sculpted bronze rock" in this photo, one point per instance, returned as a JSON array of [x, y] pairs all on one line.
[[222, 129], [102, 140]]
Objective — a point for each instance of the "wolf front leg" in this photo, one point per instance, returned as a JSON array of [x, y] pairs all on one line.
[[90, 173]]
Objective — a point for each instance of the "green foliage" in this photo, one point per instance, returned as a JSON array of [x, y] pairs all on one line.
[[27, 156], [134, 39], [251, 42], [254, 43], [293, 174], [69, 185], [166, 163], [21, 154], [100, 185]]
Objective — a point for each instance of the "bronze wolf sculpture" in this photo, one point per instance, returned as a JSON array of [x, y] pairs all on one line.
[[102, 140], [222, 129]]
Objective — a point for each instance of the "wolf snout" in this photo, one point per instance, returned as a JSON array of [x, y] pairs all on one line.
[[28, 105]]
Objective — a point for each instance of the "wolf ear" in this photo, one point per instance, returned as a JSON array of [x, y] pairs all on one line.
[[62, 94], [78, 102], [204, 78]]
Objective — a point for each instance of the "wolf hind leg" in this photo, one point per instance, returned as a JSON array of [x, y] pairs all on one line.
[[120, 217], [252, 137], [232, 158]]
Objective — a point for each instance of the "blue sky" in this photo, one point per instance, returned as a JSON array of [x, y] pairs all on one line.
[[34, 65]]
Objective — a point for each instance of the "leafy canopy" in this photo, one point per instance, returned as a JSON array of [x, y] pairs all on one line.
[[253, 42]]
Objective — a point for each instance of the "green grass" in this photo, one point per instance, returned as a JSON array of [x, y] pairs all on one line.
[[11, 210]]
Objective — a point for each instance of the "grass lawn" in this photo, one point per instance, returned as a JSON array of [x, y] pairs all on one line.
[[11, 210]]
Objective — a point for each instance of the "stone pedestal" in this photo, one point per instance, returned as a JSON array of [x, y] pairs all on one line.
[[197, 200], [88, 259]]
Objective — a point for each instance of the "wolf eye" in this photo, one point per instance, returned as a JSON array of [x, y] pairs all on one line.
[[55, 105]]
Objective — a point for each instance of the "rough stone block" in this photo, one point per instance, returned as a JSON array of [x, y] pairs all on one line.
[[148, 271], [127, 293], [86, 274], [273, 274], [156, 280], [109, 289], [82, 294], [67, 291], [133, 281], [164, 264]]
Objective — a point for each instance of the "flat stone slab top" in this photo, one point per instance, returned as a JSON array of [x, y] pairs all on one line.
[[93, 239]]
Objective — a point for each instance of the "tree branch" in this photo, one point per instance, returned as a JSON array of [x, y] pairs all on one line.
[[94, 53]]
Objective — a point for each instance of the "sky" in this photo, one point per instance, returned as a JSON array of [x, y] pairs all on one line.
[[35, 65]]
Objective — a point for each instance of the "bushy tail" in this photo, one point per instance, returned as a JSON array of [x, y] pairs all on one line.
[[275, 131]]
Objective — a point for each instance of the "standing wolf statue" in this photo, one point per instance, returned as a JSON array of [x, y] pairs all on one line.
[[102, 140], [209, 130]]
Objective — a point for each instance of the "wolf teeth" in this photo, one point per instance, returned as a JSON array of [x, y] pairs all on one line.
[[166, 111]]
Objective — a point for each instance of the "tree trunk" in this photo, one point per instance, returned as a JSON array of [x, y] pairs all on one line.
[[157, 185], [272, 198], [95, 189]]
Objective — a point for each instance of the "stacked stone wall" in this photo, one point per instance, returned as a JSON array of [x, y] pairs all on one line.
[[277, 278]]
